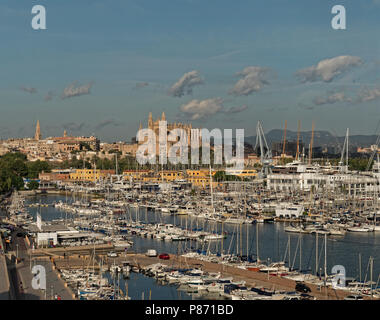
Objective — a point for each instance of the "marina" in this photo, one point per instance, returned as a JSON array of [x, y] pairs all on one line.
[[253, 248]]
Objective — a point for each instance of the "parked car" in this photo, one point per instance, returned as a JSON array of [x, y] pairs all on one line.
[[151, 253], [164, 256]]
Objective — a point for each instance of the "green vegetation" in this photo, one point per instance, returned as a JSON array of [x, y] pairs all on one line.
[[14, 167], [222, 176], [33, 185], [12, 170], [355, 164], [36, 167], [359, 164]]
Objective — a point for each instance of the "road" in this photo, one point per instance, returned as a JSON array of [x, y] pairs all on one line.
[[21, 274]]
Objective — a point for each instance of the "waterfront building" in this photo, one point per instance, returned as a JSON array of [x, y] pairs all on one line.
[[90, 175], [136, 175], [170, 175], [56, 175], [289, 210], [318, 178]]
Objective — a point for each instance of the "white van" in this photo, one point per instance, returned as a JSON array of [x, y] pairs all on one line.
[[151, 253]]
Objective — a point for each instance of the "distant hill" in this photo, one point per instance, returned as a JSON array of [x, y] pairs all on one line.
[[321, 138]]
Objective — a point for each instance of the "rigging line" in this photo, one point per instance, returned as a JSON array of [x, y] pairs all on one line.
[[366, 273], [309, 260], [295, 253], [320, 252]]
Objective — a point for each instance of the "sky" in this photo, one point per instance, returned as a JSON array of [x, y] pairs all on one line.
[[101, 66]]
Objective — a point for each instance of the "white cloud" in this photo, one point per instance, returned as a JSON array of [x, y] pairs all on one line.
[[253, 79], [185, 84], [326, 70], [72, 91], [369, 94], [200, 109], [332, 98]]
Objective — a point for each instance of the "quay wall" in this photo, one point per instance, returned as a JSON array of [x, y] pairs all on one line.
[[252, 278]]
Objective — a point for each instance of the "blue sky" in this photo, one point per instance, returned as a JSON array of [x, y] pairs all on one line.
[[117, 44]]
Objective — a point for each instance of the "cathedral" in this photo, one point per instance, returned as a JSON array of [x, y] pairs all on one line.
[[155, 126], [37, 135]]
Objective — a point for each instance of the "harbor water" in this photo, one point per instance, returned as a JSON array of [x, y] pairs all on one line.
[[274, 244]]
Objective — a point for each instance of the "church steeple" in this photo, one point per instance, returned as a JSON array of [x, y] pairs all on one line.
[[150, 121], [37, 135], [163, 118]]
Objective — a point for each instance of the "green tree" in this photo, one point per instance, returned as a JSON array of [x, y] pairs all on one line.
[[222, 176], [12, 169], [36, 167], [33, 185]]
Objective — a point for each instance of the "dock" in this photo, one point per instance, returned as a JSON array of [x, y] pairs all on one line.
[[252, 278]]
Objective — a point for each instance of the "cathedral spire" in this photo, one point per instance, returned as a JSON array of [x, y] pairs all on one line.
[[37, 135], [150, 121], [163, 118]]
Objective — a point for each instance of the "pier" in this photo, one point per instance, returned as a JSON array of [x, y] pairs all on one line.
[[252, 278]]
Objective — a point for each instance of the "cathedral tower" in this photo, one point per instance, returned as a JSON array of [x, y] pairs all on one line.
[[37, 135]]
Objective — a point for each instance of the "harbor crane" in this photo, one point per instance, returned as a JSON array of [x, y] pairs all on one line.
[[342, 167], [375, 150], [265, 151]]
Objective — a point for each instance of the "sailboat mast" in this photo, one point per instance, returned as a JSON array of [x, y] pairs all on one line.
[[371, 259], [311, 144], [316, 253], [289, 251], [257, 242], [211, 190], [247, 242], [300, 253], [298, 140], [325, 259]]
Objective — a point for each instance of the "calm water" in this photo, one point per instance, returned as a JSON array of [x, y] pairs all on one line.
[[273, 242], [141, 287]]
